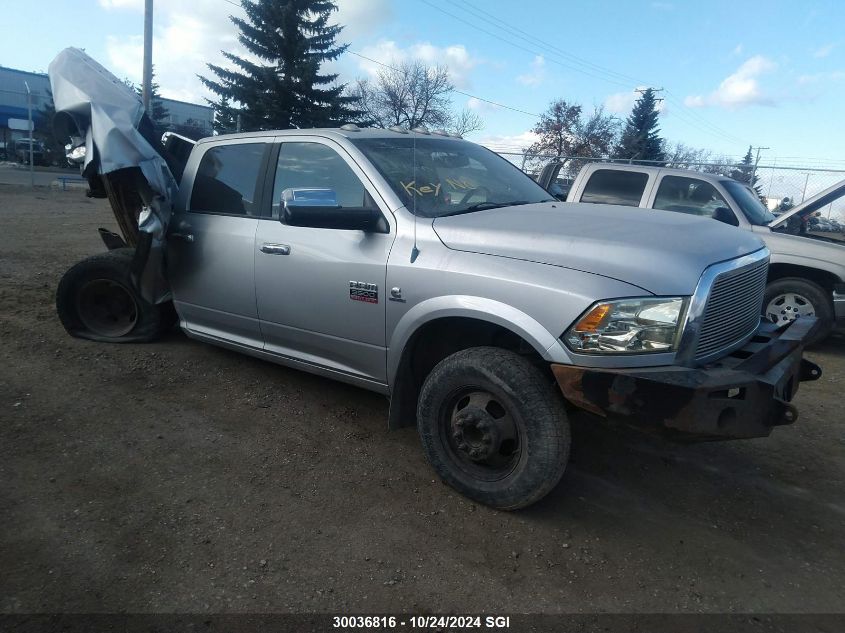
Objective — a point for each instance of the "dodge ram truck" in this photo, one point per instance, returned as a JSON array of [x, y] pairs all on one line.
[[431, 270]]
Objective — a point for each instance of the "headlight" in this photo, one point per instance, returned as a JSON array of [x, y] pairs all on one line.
[[628, 326]]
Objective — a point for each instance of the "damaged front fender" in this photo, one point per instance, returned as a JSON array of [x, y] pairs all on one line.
[[123, 160]]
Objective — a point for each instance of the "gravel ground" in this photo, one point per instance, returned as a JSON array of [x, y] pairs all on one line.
[[179, 477]]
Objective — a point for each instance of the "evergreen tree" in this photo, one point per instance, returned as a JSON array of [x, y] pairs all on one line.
[[744, 171], [225, 116], [292, 38], [158, 112], [641, 137]]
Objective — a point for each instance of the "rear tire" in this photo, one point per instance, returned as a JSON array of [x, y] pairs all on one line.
[[494, 427], [96, 300], [793, 297]]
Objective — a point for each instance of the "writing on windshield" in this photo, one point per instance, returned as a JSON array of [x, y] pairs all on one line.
[[434, 188], [436, 177]]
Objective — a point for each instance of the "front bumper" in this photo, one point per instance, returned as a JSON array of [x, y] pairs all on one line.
[[742, 395]]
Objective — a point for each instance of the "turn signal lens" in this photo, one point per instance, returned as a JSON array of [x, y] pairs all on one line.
[[593, 319]]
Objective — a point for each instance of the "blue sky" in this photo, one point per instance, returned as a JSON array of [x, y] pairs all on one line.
[[735, 73]]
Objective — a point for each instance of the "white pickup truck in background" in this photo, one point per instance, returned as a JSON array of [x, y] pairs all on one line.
[[807, 270]]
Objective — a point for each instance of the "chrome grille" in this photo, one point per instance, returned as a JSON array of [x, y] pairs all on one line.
[[733, 308]]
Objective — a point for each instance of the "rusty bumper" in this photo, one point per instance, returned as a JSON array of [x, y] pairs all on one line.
[[743, 395]]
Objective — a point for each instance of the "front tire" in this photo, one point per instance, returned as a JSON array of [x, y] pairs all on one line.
[[791, 298], [96, 300], [494, 427]]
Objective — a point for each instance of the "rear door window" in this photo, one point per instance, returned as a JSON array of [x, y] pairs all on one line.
[[611, 186], [227, 180], [688, 195]]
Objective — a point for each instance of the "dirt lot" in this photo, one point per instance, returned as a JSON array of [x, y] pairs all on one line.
[[178, 477]]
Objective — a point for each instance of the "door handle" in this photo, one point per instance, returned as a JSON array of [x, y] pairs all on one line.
[[275, 249], [185, 237]]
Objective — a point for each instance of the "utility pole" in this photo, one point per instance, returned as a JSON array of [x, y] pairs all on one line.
[[757, 161], [147, 86], [31, 135], [806, 180], [642, 91]]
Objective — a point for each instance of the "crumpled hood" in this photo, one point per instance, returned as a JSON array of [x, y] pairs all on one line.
[[659, 251], [108, 115]]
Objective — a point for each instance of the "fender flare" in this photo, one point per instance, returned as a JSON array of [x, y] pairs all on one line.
[[467, 306]]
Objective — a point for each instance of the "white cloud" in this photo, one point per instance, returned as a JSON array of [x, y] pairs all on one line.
[[737, 50], [536, 75], [825, 50], [511, 142], [741, 88], [456, 58], [122, 4], [478, 105], [188, 34], [620, 102], [361, 18], [836, 75]]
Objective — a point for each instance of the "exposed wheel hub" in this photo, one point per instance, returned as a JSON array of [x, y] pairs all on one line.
[[107, 308], [482, 432], [476, 433]]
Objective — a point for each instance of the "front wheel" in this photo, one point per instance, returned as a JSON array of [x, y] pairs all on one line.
[[494, 427], [791, 298], [97, 300]]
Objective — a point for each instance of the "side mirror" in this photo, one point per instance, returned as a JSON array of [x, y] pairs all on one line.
[[723, 214], [318, 208]]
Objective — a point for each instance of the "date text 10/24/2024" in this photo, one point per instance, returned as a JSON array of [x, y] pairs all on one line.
[[450, 622]]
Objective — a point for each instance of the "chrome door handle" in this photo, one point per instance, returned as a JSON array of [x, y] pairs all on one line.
[[185, 237], [275, 249]]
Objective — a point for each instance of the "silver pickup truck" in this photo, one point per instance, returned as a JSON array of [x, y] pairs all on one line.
[[807, 267], [431, 270]]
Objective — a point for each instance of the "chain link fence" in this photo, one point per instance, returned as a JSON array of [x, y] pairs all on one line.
[[774, 182]]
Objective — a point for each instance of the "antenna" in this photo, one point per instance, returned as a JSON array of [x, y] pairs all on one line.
[[415, 252]]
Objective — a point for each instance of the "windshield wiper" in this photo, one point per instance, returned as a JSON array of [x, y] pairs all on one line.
[[480, 206]]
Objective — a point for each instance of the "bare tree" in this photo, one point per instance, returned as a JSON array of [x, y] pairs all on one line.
[[412, 95], [565, 131], [464, 122], [683, 156]]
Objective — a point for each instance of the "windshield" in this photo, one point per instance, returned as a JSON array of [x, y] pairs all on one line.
[[448, 177], [751, 206]]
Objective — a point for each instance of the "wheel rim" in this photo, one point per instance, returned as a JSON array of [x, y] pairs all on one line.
[[789, 306], [107, 308], [481, 434]]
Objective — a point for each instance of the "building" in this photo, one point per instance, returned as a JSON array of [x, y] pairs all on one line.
[[13, 105]]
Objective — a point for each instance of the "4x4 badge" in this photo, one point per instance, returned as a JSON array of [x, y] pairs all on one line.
[[362, 291]]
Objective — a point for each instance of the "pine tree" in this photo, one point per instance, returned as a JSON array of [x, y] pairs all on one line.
[[292, 38], [158, 112], [641, 136], [225, 116], [745, 171]]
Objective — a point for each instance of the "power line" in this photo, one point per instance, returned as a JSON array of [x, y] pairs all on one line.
[[586, 67], [532, 38], [685, 115], [460, 92]]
